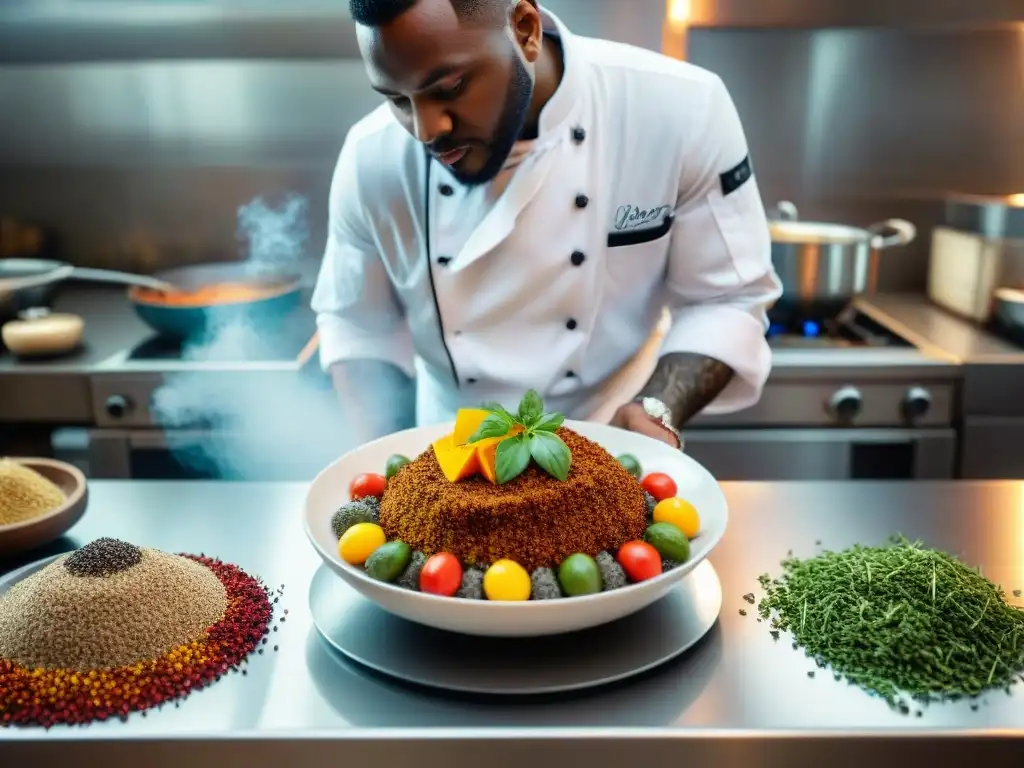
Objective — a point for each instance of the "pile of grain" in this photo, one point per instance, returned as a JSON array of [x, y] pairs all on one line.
[[25, 494], [534, 519], [108, 605]]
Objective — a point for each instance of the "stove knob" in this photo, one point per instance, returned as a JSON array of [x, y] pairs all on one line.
[[916, 403], [118, 406], [845, 403]]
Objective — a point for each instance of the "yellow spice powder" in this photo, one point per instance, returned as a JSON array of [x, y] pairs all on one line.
[[25, 494]]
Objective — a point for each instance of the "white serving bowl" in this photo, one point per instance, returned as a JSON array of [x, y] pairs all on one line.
[[532, 618]]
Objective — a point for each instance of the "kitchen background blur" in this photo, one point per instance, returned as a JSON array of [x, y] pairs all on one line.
[[140, 135]]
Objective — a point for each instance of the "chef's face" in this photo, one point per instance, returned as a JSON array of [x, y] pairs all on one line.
[[461, 88]]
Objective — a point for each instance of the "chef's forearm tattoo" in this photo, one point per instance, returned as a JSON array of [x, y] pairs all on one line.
[[377, 398], [686, 383]]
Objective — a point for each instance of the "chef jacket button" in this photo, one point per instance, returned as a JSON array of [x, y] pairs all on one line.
[[582, 201], [578, 135], [471, 381], [446, 190], [570, 374], [570, 324], [443, 260], [577, 258]]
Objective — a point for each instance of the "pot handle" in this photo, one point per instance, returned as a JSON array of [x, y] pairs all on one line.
[[58, 273], [892, 232], [784, 211], [121, 278]]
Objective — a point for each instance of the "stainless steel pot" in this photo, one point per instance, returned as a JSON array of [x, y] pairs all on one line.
[[823, 266]]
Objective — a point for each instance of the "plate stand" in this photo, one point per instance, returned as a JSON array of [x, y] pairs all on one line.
[[429, 657]]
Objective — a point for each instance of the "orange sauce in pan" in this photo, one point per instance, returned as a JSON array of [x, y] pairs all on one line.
[[207, 295]]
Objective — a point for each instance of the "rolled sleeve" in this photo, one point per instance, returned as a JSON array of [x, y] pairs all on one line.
[[720, 280], [359, 315]]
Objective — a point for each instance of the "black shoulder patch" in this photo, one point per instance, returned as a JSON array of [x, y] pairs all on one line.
[[736, 176]]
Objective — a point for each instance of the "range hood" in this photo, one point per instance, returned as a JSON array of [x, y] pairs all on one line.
[[824, 14], [49, 31]]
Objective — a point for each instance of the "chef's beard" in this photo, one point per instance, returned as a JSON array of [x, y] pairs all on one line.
[[510, 127]]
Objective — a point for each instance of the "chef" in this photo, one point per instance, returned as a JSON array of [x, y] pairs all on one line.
[[532, 209]]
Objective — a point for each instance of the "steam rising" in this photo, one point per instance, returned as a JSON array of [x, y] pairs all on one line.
[[276, 238], [267, 425]]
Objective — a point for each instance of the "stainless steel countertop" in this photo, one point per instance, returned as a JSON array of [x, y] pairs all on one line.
[[59, 390], [738, 697], [937, 332], [112, 328]]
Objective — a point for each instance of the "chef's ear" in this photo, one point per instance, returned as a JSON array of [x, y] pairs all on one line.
[[527, 28]]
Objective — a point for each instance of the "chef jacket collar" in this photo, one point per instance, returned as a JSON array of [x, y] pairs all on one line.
[[565, 101]]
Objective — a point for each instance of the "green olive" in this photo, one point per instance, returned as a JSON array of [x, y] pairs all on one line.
[[669, 540], [632, 465], [388, 561], [579, 575], [394, 463]]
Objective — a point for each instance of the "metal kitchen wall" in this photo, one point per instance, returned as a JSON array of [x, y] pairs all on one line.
[[137, 127], [869, 122]]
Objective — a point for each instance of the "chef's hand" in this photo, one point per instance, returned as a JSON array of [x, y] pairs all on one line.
[[632, 416]]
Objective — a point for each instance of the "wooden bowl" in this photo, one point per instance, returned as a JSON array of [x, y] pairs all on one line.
[[50, 526]]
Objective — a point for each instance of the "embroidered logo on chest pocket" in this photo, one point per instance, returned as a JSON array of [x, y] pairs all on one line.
[[633, 216], [633, 225]]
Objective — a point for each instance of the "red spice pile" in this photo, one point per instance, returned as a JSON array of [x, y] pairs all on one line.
[[49, 697]]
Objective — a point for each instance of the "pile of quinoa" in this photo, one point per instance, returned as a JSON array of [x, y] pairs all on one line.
[[113, 628], [535, 519], [25, 494]]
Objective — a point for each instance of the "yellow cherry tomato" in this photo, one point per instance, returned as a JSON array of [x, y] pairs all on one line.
[[506, 580], [681, 513], [359, 542]]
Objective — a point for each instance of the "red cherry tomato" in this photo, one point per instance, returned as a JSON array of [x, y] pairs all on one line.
[[441, 575], [639, 560], [659, 485], [367, 485]]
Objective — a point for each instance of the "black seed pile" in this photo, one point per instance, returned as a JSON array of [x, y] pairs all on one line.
[[102, 557], [351, 513], [472, 585], [651, 503], [612, 575], [544, 585], [667, 565], [410, 578], [373, 503]]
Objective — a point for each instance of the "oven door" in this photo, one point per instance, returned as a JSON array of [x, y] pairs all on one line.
[[824, 454], [148, 454]]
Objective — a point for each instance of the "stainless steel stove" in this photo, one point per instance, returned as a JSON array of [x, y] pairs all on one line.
[[847, 398], [849, 330]]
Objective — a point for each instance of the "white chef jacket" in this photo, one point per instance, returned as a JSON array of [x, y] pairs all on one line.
[[638, 196]]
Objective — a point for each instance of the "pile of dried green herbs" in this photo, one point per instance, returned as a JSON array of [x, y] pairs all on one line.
[[899, 620]]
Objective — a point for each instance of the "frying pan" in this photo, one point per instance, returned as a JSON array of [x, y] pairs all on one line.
[[26, 283], [275, 295]]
